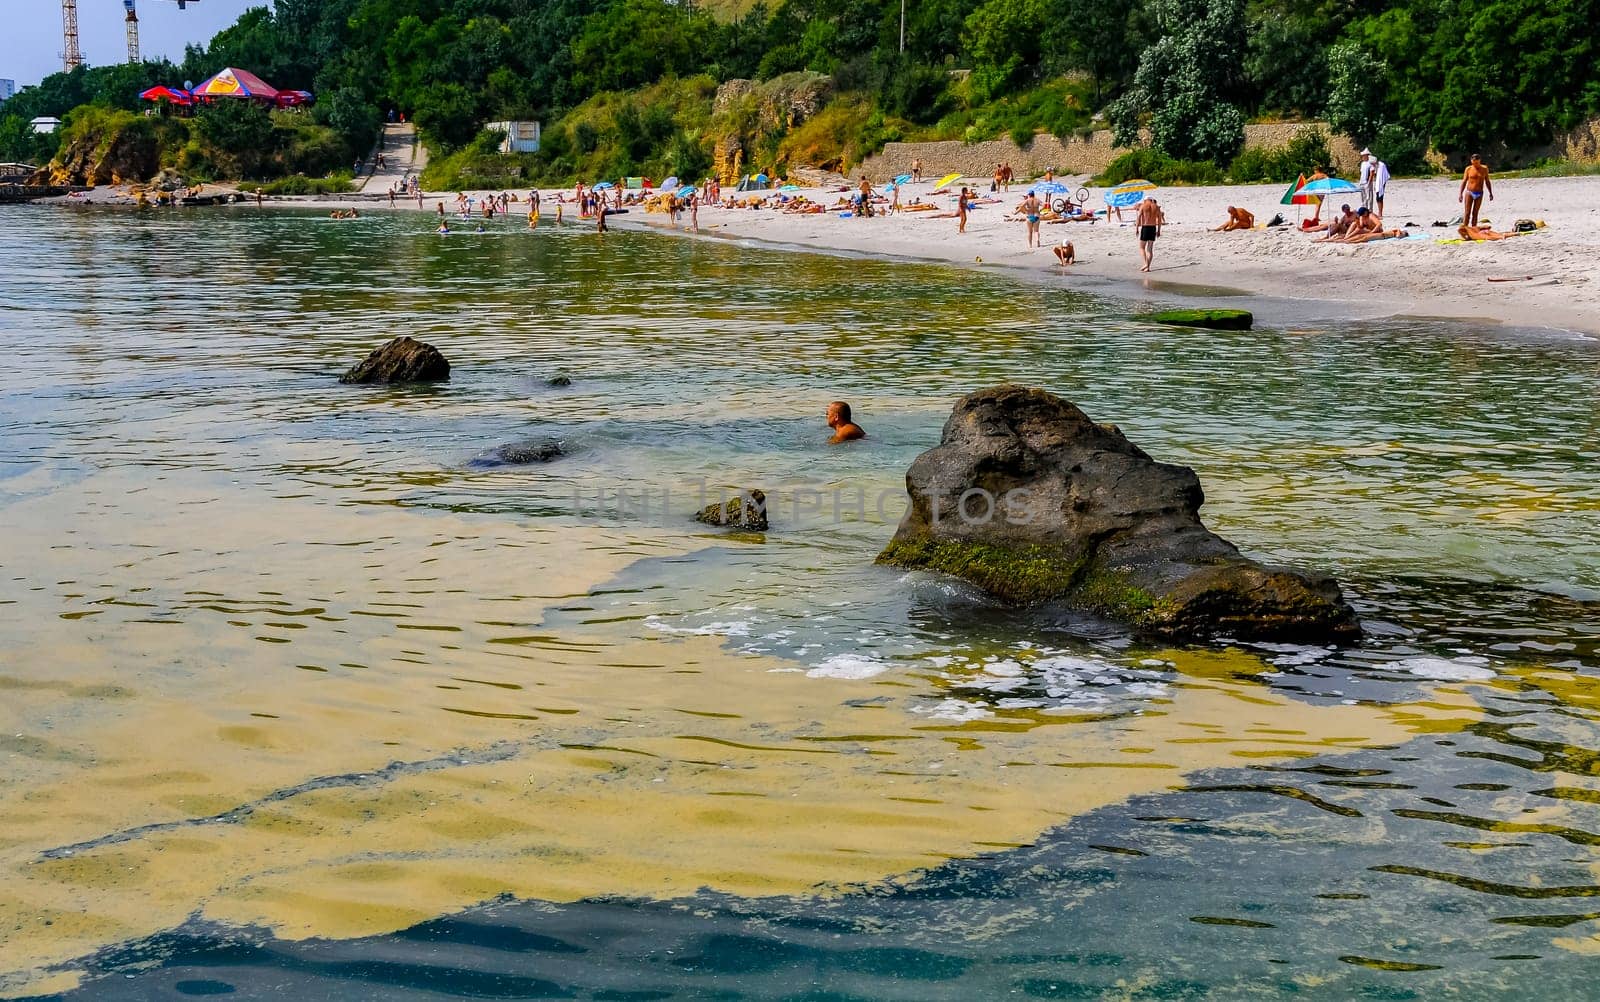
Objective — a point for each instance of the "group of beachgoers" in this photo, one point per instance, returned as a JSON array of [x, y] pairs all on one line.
[[1352, 225]]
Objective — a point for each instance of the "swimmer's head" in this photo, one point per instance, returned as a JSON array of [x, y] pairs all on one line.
[[838, 414]]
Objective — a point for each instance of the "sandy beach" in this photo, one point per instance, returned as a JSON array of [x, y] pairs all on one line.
[[1548, 277], [1555, 268]]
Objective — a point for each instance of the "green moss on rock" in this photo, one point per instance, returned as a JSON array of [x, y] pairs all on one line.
[[1024, 575], [1223, 320], [1110, 593]]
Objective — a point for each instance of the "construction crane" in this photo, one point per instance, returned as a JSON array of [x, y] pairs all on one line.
[[133, 33], [72, 54]]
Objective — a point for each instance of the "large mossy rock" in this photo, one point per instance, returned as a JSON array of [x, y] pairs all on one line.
[[1032, 501], [403, 360], [746, 511], [1222, 320]]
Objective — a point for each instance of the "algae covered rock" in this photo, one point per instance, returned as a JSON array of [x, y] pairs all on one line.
[[1222, 320], [519, 454], [748, 511], [403, 360], [1029, 499]]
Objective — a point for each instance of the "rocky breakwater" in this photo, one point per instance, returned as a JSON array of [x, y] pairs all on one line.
[[1032, 501]]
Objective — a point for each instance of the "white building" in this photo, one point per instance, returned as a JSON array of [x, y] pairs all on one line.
[[521, 137], [45, 125], [7, 88]]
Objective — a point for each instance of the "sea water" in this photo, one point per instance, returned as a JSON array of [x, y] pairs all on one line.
[[296, 701]]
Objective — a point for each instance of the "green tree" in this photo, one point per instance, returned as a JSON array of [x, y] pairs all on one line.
[[349, 114], [447, 115], [636, 42], [241, 131], [1186, 82], [1357, 88], [1006, 39]]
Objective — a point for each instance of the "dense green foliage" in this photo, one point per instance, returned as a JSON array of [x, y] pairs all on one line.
[[1400, 75]]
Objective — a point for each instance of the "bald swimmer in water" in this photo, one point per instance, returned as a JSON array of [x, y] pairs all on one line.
[[844, 430]]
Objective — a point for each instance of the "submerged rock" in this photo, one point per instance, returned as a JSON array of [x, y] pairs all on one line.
[[1222, 320], [748, 510], [1029, 499], [562, 380], [519, 454], [403, 360]]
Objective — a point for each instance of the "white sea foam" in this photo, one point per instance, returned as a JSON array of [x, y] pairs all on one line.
[[732, 628], [958, 710], [851, 666], [1466, 669]]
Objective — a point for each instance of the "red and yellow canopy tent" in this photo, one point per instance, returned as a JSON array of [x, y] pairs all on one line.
[[236, 83]]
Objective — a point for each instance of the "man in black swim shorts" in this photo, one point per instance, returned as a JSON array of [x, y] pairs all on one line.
[[1150, 221]]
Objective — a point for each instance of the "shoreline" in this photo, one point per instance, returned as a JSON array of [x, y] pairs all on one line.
[[1554, 269]]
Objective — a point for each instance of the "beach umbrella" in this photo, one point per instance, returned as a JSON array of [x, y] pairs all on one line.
[[902, 179], [1326, 186], [687, 190], [670, 183], [1128, 193], [1123, 199], [947, 180], [602, 186], [762, 179], [1049, 188], [1137, 184]]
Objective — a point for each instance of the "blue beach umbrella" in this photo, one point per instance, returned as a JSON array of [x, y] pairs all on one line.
[[1330, 186], [762, 178], [687, 190], [670, 184], [790, 187], [1050, 188], [602, 186], [903, 179]]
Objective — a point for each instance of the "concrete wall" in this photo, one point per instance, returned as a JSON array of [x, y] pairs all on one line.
[[1075, 156]]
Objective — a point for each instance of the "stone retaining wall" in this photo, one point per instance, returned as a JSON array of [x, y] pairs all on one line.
[[1076, 156]]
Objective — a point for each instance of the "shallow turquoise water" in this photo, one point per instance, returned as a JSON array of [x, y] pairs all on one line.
[[1449, 475]]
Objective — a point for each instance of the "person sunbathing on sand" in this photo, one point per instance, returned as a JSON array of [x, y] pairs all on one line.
[[1367, 238], [844, 430], [1238, 219], [1337, 226], [1367, 223], [1481, 233]]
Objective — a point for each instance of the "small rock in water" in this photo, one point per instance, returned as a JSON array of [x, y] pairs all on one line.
[[403, 360], [519, 454], [1222, 320], [562, 380], [746, 511]]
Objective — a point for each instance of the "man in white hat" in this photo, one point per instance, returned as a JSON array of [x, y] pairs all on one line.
[[1368, 163]]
